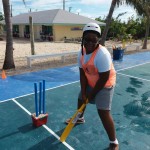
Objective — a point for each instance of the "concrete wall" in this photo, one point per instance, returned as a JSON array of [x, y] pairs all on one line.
[[60, 32], [21, 30], [37, 30]]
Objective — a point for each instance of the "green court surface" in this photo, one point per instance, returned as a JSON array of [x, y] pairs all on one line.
[[139, 71], [130, 110]]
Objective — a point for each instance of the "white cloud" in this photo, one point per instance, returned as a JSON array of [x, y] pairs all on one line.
[[46, 4], [78, 11], [121, 9], [87, 2], [11, 1], [19, 1], [0, 5]]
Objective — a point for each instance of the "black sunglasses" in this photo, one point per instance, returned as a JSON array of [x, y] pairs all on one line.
[[88, 40]]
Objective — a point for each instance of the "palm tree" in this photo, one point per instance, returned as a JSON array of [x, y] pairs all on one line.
[[108, 19], [9, 60], [138, 5], [143, 9]]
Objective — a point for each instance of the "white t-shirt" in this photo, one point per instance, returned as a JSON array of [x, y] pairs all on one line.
[[102, 59]]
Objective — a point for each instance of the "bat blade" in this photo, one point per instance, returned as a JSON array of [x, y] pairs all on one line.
[[72, 123]]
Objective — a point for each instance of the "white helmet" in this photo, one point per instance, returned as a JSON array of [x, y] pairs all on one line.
[[92, 27]]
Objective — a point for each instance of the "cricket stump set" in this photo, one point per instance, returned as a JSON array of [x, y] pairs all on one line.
[[40, 116]]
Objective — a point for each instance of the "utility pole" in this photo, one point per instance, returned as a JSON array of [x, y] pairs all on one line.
[[11, 10], [31, 35], [63, 4]]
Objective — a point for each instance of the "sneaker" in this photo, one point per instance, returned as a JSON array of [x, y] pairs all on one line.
[[79, 121], [114, 147]]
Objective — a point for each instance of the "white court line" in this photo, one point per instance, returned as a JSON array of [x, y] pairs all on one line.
[[133, 77], [46, 90], [2, 101], [133, 66], [54, 134], [21, 107], [48, 129]]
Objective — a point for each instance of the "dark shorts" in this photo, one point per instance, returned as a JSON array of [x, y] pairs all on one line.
[[103, 99]]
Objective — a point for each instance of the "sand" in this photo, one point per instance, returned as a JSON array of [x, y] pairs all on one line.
[[22, 49]]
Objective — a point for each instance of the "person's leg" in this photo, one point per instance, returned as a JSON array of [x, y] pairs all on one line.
[[80, 102], [103, 102], [108, 123]]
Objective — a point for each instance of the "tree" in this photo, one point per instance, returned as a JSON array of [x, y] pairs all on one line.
[[108, 20], [9, 60], [134, 28], [1, 16], [142, 6], [143, 9]]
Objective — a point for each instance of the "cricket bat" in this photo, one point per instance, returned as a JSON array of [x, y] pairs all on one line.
[[72, 122]]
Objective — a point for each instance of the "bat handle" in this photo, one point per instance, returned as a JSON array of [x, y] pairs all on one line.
[[83, 106]]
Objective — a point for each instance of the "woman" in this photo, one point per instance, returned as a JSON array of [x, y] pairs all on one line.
[[97, 79]]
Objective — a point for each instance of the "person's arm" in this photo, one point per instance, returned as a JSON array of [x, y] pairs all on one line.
[[104, 76], [83, 83]]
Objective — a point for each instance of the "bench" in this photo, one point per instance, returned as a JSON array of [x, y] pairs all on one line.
[[62, 55], [135, 46]]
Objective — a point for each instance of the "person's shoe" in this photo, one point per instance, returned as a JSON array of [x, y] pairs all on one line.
[[79, 121], [113, 147]]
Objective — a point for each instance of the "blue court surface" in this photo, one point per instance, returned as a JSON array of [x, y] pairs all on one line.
[[130, 109]]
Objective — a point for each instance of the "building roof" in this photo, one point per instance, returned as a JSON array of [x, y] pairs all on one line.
[[55, 16]]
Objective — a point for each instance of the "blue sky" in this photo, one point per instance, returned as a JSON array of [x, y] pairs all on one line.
[[89, 8]]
